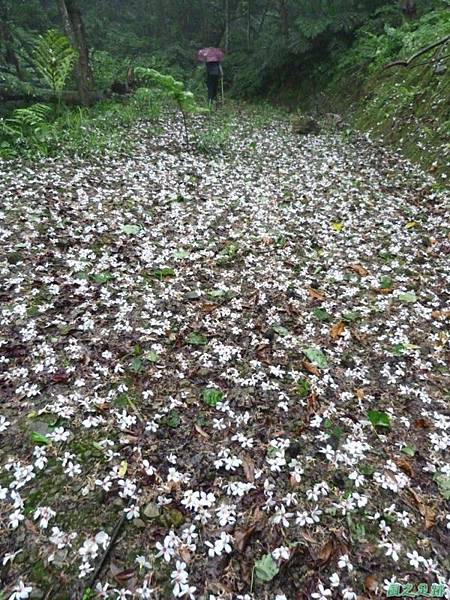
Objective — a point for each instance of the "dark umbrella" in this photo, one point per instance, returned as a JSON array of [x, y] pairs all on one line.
[[208, 55]]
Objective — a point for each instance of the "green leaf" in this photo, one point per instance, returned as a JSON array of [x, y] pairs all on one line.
[[131, 229], [212, 396], [321, 314], [164, 272], [217, 293], [303, 388], [443, 483], [386, 283], [409, 451], [317, 357], [367, 470], [152, 356], [102, 277], [181, 254], [398, 349], [351, 315], [281, 330], [136, 365], [231, 249], [173, 419], [54, 58], [196, 339], [82, 275], [193, 295], [409, 297], [39, 438], [266, 569], [378, 418]]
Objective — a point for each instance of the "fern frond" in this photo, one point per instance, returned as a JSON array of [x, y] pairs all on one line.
[[54, 59]]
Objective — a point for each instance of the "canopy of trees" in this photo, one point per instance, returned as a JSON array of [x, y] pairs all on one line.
[[265, 38]]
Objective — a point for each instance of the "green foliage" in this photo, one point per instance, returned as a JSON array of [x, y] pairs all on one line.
[[443, 483], [212, 396], [36, 131], [379, 418], [317, 357], [173, 90], [213, 138], [54, 59], [26, 131], [108, 68], [266, 569]]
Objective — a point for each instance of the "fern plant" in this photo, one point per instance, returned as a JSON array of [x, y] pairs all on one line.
[[175, 91], [25, 129], [54, 59]]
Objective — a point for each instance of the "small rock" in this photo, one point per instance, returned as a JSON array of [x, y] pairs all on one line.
[[152, 511], [40, 427], [304, 125], [36, 594], [193, 295], [139, 524]]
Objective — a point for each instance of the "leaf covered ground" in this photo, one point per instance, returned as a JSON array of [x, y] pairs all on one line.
[[224, 376]]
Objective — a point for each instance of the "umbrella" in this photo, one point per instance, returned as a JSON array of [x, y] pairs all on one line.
[[208, 55]]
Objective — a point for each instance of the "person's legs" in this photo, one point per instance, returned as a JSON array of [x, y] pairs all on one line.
[[216, 86], [210, 84], [213, 84]]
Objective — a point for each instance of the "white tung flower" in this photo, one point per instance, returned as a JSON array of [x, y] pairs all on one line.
[[21, 591]]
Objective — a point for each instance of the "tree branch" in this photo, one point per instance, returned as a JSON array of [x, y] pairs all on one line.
[[406, 63]]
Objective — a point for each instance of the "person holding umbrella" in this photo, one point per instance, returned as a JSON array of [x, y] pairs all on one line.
[[212, 58]]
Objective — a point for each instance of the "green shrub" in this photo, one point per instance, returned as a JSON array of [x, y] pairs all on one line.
[[172, 90], [54, 59]]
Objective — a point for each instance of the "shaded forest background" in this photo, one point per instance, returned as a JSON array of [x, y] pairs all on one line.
[[314, 55]]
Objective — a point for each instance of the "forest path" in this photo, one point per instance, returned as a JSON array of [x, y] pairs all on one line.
[[247, 350]]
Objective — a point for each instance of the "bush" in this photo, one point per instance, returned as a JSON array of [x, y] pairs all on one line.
[[35, 131]]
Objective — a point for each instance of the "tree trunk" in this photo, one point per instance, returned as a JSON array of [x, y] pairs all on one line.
[[263, 18], [42, 95], [7, 38], [74, 29], [227, 25], [284, 15], [409, 8], [249, 24]]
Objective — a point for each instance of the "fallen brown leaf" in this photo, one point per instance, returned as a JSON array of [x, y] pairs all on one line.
[[326, 552], [184, 553], [208, 308], [370, 583], [308, 366], [316, 294], [124, 576], [422, 424], [308, 538], [242, 538], [426, 511], [201, 431], [362, 272], [60, 377], [313, 405], [441, 314], [405, 466], [263, 353], [337, 330], [249, 469], [359, 393]]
